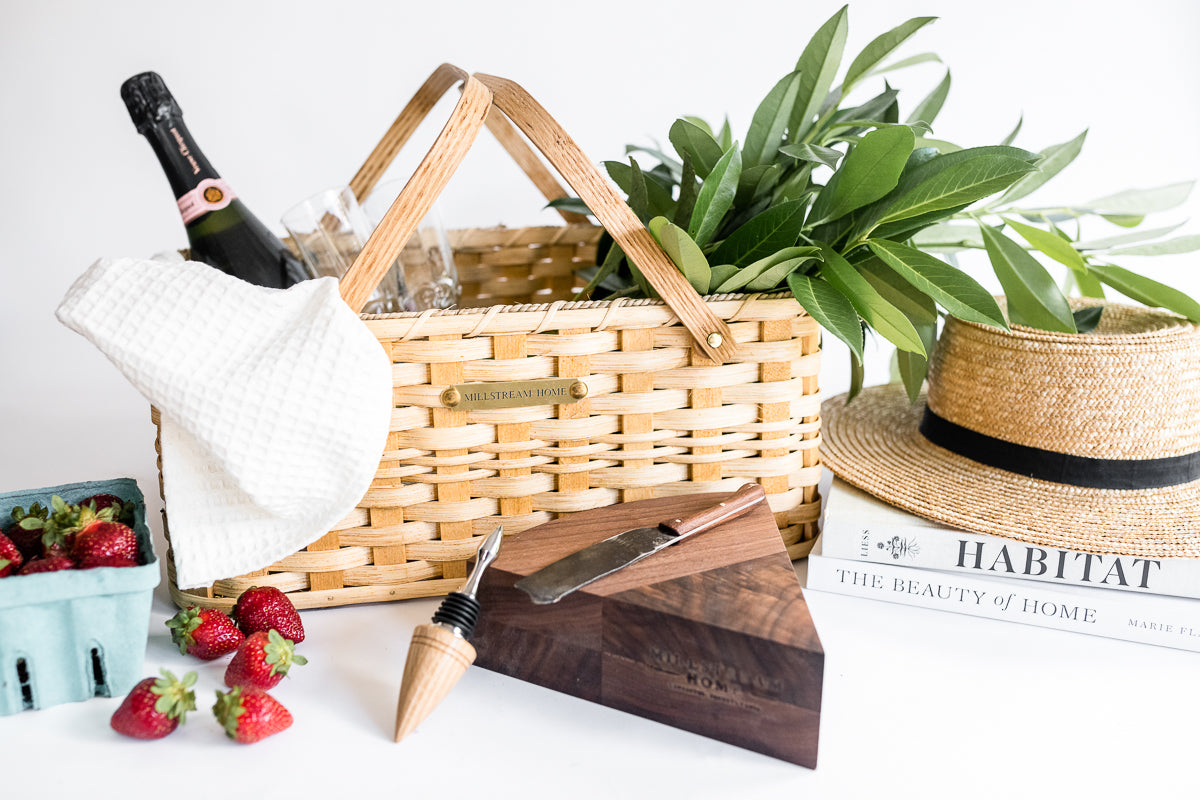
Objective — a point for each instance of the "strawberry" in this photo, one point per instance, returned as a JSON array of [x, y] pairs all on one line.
[[250, 714], [122, 509], [52, 562], [155, 707], [10, 556], [29, 542], [261, 608], [262, 661], [206, 633], [59, 527], [105, 544]]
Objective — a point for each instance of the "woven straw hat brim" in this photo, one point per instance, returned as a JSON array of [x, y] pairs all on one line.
[[873, 443]]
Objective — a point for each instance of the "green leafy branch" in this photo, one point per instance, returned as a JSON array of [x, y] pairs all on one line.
[[849, 207]]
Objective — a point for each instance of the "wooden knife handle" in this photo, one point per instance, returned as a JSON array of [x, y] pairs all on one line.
[[742, 501]]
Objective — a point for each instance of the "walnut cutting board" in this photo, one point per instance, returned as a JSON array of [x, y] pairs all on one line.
[[711, 635]]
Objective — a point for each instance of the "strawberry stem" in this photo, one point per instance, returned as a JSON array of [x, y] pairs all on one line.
[[176, 697]]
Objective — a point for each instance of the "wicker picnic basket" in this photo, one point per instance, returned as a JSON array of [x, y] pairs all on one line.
[[650, 397]]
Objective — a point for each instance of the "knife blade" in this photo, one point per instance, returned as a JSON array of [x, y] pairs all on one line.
[[558, 579]]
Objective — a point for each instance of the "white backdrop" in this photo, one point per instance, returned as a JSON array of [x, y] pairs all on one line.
[[288, 98]]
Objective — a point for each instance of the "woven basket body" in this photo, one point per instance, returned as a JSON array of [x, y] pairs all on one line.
[[658, 417]]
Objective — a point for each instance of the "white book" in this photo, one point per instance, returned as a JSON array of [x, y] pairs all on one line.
[[1146, 618], [861, 527]]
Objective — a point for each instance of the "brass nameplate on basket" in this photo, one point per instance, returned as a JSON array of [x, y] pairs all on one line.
[[514, 394]]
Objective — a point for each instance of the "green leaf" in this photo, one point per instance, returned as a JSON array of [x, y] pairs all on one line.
[[769, 122], [701, 124], [1055, 158], [954, 179], [1034, 299], [857, 374], [572, 204], [1125, 220], [639, 200], [1086, 319], [817, 66], [879, 110], [659, 200], [771, 278], [836, 234], [1050, 244], [791, 256], [719, 275], [912, 302], [881, 315], [1012, 136], [911, 61], [1127, 238], [829, 308], [675, 166], [644, 287], [928, 109], [918, 128], [879, 49], [684, 252], [903, 229], [946, 236], [716, 196], [1089, 285], [1139, 202], [956, 291], [689, 189], [612, 260], [663, 175], [920, 155], [1145, 290], [871, 170], [940, 145], [912, 368], [796, 186], [1180, 244], [812, 153], [692, 141], [755, 182], [725, 136], [772, 230]]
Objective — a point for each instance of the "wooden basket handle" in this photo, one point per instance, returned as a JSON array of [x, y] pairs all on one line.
[[417, 196], [410, 117], [711, 334], [480, 92]]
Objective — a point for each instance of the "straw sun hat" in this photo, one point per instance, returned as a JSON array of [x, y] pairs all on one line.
[[1075, 441]]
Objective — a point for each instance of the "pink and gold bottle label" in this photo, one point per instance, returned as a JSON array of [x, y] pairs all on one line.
[[210, 194]]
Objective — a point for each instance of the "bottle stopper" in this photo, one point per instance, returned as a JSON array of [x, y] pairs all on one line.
[[440, 652]]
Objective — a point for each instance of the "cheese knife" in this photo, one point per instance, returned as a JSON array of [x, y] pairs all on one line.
[[557, 580]]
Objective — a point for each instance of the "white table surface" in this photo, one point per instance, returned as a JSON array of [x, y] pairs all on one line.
[[917, 704]]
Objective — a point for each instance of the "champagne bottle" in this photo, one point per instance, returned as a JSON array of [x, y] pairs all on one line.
[[221, 230]]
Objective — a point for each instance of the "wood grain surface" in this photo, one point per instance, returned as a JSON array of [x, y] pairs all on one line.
[[711, 635]]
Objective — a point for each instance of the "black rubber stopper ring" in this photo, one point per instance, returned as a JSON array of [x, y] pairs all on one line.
[[459, 610]]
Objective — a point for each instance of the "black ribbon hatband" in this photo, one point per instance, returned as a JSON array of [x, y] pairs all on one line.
[[1048, 465]]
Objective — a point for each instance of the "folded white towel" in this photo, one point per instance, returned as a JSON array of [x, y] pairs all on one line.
[[275, 403]]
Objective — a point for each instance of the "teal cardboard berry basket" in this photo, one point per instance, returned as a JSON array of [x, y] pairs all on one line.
[[76, 634]]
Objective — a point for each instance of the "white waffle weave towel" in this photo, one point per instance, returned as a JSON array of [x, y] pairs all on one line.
[[275, 403]]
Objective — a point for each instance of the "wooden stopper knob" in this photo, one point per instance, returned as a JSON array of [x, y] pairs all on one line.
[[437, 658]]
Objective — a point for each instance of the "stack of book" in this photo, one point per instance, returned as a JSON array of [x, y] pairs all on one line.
[[871, 549]]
